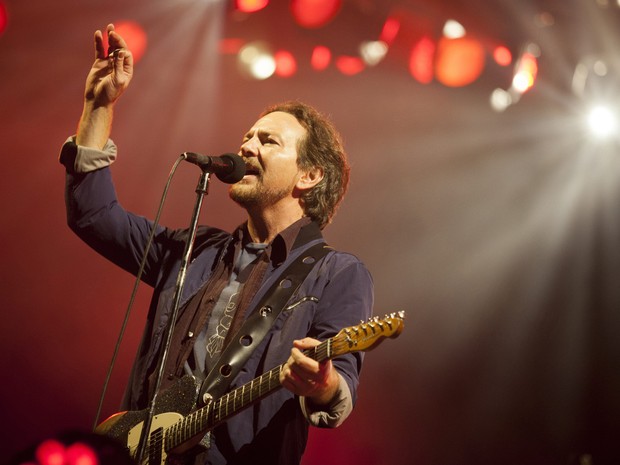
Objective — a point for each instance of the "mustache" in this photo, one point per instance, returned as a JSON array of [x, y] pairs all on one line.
[[251, 168]]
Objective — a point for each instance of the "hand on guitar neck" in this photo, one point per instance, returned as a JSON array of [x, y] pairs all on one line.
[[306, 377]]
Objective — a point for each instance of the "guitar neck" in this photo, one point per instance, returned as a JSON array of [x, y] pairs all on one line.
[[219, 410]]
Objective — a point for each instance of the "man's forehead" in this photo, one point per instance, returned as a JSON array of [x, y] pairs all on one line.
[[279, 121]]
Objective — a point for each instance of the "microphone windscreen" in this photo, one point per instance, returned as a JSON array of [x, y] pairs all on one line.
[[236, 173]]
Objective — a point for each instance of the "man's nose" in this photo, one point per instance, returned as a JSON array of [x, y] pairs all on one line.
[[250, 147]]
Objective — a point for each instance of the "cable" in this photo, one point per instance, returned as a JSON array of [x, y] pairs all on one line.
[[134, 292]]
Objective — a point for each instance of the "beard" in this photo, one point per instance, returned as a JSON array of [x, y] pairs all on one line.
[[258, 194]]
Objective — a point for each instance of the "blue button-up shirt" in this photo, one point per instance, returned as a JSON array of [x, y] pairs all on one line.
[[275, 429]]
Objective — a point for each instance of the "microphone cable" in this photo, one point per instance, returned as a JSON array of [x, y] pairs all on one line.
[[134, 292]]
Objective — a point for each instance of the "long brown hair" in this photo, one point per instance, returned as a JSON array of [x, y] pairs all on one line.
[[321, 147]]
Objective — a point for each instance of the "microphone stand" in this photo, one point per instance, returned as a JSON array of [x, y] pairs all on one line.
[[201, 190]]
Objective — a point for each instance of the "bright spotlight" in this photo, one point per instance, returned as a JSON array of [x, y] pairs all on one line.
[[452, 29], [602, 121], [526, 72], [500, 100], [256, 61], [373, 51]]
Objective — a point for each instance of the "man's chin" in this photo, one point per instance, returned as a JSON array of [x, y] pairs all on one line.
[[242, 194]]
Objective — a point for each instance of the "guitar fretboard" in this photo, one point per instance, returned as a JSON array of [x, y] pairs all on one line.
[[214, 413]]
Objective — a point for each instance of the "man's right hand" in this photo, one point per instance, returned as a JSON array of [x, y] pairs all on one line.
[[111, 73], [107, 80]]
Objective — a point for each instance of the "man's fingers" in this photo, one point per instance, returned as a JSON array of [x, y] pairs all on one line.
[[305, 343], [99, 50], [115, 40]]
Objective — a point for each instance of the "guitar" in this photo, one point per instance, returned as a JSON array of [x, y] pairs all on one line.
[[176, 429]]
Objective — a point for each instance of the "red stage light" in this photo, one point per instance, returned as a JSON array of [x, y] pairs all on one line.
[[134, 35], [459, 61], [81, 454], [321, 56], [314, 13], [349, 65], [51, 452], [251, 6], [286, 65], [4, 18], [502, 55], [421, 60], [389, 31]]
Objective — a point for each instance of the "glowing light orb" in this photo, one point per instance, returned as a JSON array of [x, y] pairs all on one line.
[[251, 6], [602, 121], [4, 18], [421, 60], [314, 14], [286, 65], [321, 57], [459, 62]]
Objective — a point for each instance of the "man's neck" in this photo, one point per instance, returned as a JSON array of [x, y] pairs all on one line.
[[266, 225]]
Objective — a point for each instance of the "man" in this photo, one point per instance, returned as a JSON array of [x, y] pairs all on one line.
[[296, 175]]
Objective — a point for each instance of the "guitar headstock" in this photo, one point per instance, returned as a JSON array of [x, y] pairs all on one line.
[[368, 335]]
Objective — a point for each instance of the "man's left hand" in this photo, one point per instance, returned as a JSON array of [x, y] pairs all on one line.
[[308, 378]]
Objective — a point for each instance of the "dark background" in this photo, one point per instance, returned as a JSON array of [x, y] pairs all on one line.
[[497, 232]]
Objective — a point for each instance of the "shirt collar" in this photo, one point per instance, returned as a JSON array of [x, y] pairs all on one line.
[[300, 232]]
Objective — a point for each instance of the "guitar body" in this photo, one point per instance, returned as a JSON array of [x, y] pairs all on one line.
[[173, 405]]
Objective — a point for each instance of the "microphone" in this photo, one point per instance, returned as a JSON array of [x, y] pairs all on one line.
[[228, 168]]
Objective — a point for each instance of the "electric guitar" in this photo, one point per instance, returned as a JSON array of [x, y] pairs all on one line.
[[176, 429]]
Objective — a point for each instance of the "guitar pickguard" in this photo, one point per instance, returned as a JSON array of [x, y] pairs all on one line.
[[158, 453]]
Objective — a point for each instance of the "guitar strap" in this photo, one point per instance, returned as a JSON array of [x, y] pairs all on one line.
[[257, 325]]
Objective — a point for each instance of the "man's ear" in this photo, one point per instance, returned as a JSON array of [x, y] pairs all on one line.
[[309, 178]]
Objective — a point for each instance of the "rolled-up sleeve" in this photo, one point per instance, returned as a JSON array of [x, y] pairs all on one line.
[[333, 414], [79, 159]]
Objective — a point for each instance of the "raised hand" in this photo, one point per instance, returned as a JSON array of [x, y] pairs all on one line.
[[111, 72], [107, 80]]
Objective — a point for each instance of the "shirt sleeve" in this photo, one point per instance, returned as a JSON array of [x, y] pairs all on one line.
[[333, 414], [79, 159]]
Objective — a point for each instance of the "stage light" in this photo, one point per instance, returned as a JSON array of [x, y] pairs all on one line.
[[453, 29], [390, 30], [349, 65], [251, 6], [373, 51], [80, 454], [134, 35], [502, 55], [500, 100], [313, 14], [525, 75], [4, 18], [421, 60], [459, 62], [286, 66], [602, 121], [50, 452], [256, 61], [321, 57]]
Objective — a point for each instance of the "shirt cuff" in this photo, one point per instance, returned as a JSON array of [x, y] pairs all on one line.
[[80, 159], [333, 414]]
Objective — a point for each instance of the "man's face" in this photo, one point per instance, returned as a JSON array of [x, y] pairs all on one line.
[[269, 149]]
